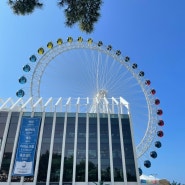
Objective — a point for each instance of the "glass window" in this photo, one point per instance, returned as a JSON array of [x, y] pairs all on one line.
[[81, 150], [57, 149], [9, 147], [3, 118], [69, 150], [93, 157], [129, 153], [104, 150], [45, 147], [116, 150]]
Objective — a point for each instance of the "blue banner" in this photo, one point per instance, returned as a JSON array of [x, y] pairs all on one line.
[[26, 148]]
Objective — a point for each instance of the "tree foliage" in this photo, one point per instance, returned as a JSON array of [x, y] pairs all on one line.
[[23, 7], [83, 12], [175, 183]]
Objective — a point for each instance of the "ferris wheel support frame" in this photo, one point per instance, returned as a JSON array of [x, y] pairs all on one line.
[[100, 101], [47, 57]]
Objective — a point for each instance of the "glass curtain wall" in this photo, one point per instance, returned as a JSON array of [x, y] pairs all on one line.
[[81, 150], [104, 150], [57, 150], [9, 148], [3, 118], [116, 150], [69, 150], [129, 153], [93, 153], [44, 154]]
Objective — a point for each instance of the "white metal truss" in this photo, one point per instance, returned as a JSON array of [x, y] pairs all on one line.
[[103, 105]]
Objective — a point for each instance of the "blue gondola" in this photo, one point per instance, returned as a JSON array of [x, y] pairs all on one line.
[[134, 66], [33, 58], [109, 47], [22, 80], [20, 93], [127, 59], [158, 144], [100, 43], [118, 52], [153, 154], [147, 164], [26, 68], [141, 73]]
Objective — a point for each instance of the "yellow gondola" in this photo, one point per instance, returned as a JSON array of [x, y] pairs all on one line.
[[40, 51], [90, 41], [50, 45], [80, 39], [59, 41], [69, 39]]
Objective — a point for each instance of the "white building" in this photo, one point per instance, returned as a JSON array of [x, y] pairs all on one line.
[[67, 142]]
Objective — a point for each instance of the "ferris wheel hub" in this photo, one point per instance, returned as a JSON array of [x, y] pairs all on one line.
[[102, 93]]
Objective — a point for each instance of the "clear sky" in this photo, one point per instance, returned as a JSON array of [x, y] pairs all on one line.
[[150, 32]]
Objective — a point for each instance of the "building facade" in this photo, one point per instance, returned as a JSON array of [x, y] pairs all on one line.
[[72, 147]]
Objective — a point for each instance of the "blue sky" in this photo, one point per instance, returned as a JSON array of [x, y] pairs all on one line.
[[151, 32]]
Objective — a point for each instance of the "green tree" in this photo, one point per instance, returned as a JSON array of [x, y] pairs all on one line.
[[80, 171], [23, 7], [175, 183], [43, 166], [83, 12], [68, 169]]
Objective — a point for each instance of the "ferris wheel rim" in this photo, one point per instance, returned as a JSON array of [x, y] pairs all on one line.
[[53, 52]]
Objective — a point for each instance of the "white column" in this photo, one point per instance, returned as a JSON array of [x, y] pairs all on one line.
[[14, 147], [39, 148], [87, 148], [51, 148], [98, 141], [63, 148], [52, 142], [75, 145], [110, 149]]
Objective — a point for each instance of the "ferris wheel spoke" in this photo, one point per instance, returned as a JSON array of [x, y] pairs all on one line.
[[84, 68]]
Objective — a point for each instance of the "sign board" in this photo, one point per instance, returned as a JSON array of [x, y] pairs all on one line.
[[26, 148]]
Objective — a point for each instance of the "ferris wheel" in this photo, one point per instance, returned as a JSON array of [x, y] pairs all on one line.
[[84, 68]]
